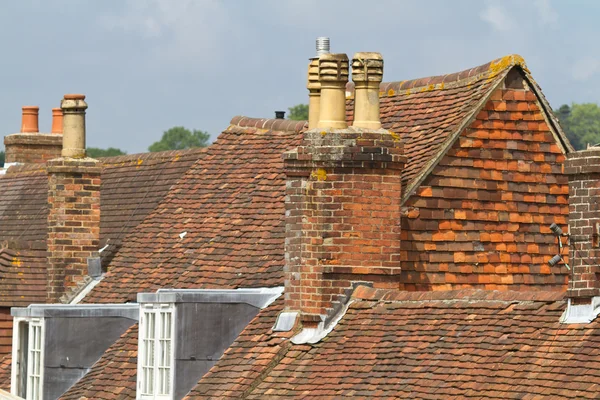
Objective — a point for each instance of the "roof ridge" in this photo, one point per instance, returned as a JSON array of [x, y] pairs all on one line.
[[150, 155], [393, 295], [490, 70], [273, 124]]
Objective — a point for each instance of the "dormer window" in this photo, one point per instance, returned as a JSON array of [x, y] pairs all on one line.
[[28, 351], [155, 361]]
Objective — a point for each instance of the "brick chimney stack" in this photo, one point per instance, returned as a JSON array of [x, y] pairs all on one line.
[[30, 146], [342, 199], [74, 204], [583, 169]]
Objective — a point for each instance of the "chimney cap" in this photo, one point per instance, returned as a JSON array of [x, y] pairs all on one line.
[[31, 108], [323, 46], [74, 96], [279, 114]]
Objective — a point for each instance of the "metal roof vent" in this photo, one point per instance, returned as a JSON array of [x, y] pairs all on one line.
[[279, 114], [322, 45]]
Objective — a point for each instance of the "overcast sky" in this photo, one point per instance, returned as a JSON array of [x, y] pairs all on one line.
[[148, 65]]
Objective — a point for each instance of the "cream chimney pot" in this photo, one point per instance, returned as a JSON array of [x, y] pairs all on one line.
[[29, 119], [314, 93], [73, 107], [367, 74], [333, 76]]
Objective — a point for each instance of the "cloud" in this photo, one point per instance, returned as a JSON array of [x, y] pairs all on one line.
[[496, 16], [178, 33], [585, 68], [547, 14]]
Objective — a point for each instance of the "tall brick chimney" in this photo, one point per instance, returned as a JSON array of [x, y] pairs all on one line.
[[74, 204], [583, 169], [30, 146], [342, 198]]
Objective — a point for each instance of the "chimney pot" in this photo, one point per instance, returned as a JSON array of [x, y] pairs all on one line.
[[279, 114], [333, 76], [73, 107], [57, 121], [367, 74], [73, 96], [29, 120], [314, 93]]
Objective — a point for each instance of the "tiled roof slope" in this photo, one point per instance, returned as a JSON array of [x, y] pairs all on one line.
[[113, 377], [221, 225], [23, 272], [438, 345], [429, 113], [5, 371], [23, 203], [133, 185]]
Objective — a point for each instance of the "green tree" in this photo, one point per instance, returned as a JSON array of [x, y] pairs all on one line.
[[95, 152], [581, 123], [1, 159], [299, 112], [178, 138]]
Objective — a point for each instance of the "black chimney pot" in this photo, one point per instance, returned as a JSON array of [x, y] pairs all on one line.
[[279, 114]]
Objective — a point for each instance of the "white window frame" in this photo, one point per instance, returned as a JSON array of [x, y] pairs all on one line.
[[36, 326], [154, 313]]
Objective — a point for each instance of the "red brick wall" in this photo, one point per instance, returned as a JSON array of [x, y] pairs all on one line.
[[73, 221], [32, 148], [583, 169], [342, 207], [481, 218]]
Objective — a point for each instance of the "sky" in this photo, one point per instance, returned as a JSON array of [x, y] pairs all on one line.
[[148, 65]]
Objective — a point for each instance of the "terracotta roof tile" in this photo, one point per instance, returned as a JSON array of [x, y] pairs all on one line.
[[221, 225], [427, 113], [5, 372], [460, 344], [23, 272], [132, 186], [23, 204]]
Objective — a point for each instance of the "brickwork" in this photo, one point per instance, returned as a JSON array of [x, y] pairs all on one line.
[[481, 218], [342, 212], [32, 148], [73, 221], [583, 169]]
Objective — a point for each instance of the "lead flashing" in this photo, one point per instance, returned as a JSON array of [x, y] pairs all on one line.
[[581, 313], [130, 311], [256, 297]]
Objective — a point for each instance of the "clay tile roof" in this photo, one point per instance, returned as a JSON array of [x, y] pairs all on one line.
[[5, 371], [132, 186], [458, 344], [23, 204], [222, 225], [429, 113], [23, 272], [113, 376]]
